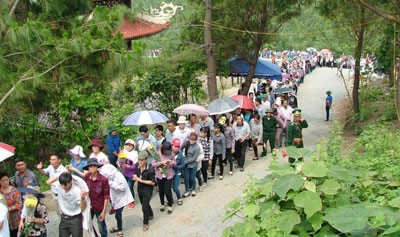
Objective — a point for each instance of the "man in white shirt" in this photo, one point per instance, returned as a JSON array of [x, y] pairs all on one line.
[[266, 103], [286, 111], [206, 121], [260, 108], [183, 132], [53, 170], [72, 201], [4, 229], [171, 132], [242, 134]]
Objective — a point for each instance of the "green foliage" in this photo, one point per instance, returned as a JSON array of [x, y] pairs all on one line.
[[351, 193]]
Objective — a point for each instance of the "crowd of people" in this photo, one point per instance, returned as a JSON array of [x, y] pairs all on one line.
[[195, 150], [189, 149]]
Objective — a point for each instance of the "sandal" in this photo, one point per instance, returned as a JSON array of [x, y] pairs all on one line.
[[180, 202], [114, 230], [255, 158], [169, 210], [120, 234], [162, 208], [145, 227], [230, 173]]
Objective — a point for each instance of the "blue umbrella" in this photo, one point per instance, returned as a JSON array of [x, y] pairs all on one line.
[[145, 118], [31, 191]]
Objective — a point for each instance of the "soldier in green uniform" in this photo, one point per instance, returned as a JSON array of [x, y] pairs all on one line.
[[269, 131], [295, 136]]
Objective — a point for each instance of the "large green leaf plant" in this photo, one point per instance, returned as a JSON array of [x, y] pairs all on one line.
[[314, 198]]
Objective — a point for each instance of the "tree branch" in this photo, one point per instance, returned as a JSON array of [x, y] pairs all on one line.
[[378, 12]]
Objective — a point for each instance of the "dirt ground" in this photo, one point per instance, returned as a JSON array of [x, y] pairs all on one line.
[[202, 215]]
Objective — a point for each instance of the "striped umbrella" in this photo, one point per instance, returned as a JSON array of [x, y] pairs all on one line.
[[222, 105], [6, 151], [145, 118]]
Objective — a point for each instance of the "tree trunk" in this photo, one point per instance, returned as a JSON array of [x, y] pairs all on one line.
[[397, 75], [358, 51], [252, 62], [211, 68]]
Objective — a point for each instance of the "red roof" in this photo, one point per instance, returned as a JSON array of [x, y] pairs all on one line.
[[133, 29]]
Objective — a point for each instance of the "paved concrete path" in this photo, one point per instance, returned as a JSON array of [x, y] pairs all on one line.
[[202, 215]]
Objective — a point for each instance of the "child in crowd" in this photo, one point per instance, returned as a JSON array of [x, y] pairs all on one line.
[[127, 160]]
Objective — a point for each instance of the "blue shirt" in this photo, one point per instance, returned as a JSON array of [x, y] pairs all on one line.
[[113, 143], [328, 100], [79, 166]]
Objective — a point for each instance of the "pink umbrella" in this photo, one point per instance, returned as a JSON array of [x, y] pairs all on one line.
[[6, 151], [325, 51], [245, 102], [187, 109]]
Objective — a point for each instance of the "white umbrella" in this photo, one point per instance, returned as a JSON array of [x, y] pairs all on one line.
[[187, 109], [6, 151], [145, 118]]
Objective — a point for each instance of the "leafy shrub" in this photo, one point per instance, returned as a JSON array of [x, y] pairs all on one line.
[[313, 199], [348, 190]]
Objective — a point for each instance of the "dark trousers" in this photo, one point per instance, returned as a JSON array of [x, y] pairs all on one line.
[[270, 136], [71, 226], [240, 152], [146, 208], [113, 160], [198, 177], [229, 158], [327, 108], [118, 217], [214, 163], [101, 224], [204, 170], [14, 233], [164, 187]]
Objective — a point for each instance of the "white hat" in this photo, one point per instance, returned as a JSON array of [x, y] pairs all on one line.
[[77, 150], [130, 141], [182, 119]]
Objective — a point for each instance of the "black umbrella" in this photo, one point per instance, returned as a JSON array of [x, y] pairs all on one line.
[[283, 90]]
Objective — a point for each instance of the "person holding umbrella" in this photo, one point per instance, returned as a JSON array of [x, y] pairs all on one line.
[[4, 229], [36, 224]]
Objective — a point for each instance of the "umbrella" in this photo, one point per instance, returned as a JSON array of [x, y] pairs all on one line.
[[6, 151], [31, 191], [311, 50], [145, 118], [325, 51], [283, 90], [187, 109], [245, 102], [223, 105]]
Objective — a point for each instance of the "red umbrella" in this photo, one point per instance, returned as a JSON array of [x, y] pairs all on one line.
[[245, 102], [6, 151], [325, 51]]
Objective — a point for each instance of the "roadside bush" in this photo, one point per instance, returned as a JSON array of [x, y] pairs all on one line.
[[347, 190]]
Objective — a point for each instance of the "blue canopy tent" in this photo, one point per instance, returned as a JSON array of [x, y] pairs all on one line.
[[264, 69]]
